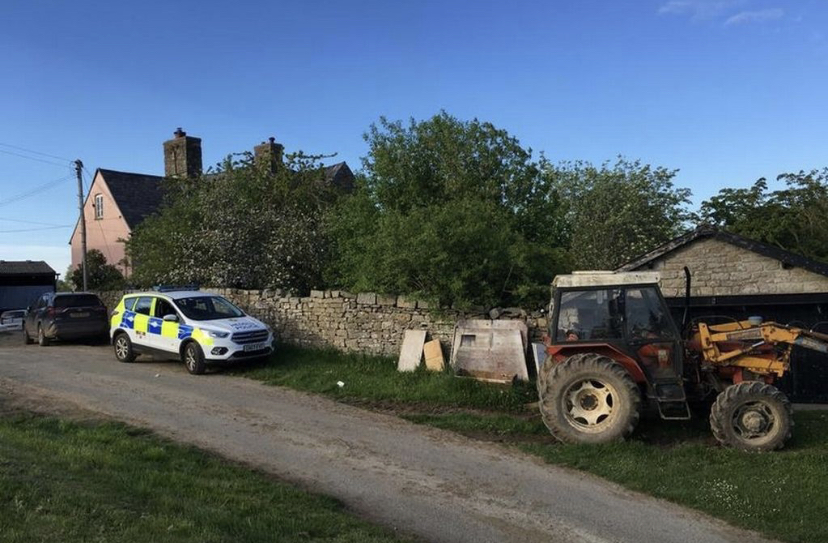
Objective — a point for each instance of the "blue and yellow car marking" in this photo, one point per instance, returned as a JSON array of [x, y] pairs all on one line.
[[169, 329], [202, 337], [143, 324], [128, 320], [154, 326]]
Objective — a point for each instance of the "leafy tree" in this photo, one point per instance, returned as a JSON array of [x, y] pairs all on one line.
[[617, 211], [65, 284], [241, 225], [456, 212], [99, 274], [794, 218]]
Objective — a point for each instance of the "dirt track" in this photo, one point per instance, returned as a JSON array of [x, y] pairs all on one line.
[[419, 480]]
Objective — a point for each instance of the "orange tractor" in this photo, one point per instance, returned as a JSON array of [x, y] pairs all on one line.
[[613, 346]]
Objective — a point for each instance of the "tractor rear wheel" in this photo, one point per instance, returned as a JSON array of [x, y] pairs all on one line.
[[752, 416], [588, 398]]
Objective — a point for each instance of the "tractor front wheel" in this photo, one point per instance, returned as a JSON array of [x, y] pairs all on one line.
[[588, 398], [752, 416]]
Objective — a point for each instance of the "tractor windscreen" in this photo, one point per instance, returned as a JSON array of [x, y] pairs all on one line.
[[590, 315], [634, 318]]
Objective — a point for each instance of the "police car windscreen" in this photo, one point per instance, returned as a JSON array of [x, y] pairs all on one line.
[[205, 308]]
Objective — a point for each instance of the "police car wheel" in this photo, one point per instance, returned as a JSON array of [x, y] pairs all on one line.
[[123, 348], [193, 358]]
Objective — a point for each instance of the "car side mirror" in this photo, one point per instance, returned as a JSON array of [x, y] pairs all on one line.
[[171, 318]]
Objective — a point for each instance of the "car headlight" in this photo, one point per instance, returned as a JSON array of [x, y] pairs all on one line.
[[217, 334]]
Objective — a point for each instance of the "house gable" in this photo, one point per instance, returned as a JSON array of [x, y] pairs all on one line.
[[102, 232]]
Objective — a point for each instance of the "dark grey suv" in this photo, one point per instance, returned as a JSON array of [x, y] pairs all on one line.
[[66, 315]]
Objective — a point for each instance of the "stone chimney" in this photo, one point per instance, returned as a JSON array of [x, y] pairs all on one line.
[[269, 153], [182, 155]]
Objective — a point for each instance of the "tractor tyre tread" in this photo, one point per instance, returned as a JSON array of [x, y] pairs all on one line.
[[552, 378], [731, 396]]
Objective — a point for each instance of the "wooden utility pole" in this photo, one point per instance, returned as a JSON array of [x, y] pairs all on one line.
[[79, 172]]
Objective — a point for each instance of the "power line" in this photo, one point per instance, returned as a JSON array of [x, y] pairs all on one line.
[[30, 222], [37, 190], [87, 184], [35, 229], [34, 152], [53, 163]]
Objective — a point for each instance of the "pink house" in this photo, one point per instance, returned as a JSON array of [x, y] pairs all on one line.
[[118, 201]]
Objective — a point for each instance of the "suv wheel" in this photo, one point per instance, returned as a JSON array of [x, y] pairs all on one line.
[[193, 358], [42, 340], [123, 348], [26, 337]]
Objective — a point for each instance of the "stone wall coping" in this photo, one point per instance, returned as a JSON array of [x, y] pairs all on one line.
[[369, 323]]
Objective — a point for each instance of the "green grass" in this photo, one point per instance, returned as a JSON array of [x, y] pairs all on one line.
[[782, 494], [376, 379], [99, 481]]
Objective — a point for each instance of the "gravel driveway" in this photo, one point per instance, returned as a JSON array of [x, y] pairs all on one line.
[[419, 480]]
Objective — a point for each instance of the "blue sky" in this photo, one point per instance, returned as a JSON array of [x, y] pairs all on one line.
[[724, 90]]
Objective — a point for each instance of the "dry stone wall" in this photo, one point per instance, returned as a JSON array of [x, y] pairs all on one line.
[[366, 322]]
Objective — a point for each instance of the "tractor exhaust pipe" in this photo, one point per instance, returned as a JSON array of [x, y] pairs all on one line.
[[687, 283]]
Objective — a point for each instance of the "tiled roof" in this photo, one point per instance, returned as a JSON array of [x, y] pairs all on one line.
[[136, 194], [340, 175], [704, 231], [25, 267], [139, 195]]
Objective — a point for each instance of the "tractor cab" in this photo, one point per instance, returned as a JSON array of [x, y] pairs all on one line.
[[624, 317]]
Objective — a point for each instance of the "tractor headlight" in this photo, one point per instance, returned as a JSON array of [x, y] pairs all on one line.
[[217, 334]]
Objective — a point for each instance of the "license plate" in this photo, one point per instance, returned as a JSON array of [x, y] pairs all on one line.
[[254, 347], [79, 315]]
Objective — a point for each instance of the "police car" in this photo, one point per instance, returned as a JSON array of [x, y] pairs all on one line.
[[198, 327]]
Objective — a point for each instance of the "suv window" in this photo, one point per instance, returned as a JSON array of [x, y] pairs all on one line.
[[77, 300], [129, 303], [143, 306], [163, 307]]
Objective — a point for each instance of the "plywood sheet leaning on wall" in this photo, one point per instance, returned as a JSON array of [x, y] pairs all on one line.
[[411, 351], [490, 350], [434, 356], [539, 356]]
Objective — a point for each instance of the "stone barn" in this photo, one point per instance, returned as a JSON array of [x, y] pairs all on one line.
[[736, 277]]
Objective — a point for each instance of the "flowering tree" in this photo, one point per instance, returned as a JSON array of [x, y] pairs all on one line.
[[240, 225]]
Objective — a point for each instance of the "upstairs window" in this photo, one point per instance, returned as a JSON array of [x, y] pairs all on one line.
[[99, 206]]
